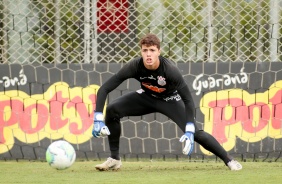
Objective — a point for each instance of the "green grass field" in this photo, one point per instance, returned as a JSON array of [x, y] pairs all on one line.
[[158, 172]]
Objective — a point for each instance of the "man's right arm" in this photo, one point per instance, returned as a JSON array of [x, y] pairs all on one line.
[[99, 127], [127, 71], [104, 90]]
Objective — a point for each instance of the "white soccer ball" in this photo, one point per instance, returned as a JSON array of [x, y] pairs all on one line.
[[60, 155]]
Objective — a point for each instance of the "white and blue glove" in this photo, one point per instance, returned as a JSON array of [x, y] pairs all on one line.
[[99, 127], [188, 137]]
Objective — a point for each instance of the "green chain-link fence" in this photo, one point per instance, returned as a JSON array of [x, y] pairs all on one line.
[[91, 31]]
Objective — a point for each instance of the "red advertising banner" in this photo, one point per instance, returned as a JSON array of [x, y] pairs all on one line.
[[112, 16]]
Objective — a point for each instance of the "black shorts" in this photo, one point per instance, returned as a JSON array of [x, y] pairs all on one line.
[[139, 103]]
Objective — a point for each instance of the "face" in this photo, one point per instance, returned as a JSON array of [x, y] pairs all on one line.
[[150, 55]]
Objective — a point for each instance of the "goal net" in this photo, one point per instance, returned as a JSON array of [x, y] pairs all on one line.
[[55, 54]]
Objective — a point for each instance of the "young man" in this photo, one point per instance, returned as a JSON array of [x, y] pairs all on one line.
[[163, 90]]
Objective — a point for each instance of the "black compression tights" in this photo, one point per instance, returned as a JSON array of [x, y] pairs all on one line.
[[135, 104], [211, 144]]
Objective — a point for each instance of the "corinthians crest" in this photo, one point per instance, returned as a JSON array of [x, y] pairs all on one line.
[[161, 81]]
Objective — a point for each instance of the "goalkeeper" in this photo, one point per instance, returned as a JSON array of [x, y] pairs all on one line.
[[163, 90]]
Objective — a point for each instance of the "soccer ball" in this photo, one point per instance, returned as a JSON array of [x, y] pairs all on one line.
[[60, 155]]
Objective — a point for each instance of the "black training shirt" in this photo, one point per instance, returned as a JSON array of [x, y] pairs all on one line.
[[163, 82]]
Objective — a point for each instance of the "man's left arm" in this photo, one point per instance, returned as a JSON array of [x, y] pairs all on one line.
[[188, 136]]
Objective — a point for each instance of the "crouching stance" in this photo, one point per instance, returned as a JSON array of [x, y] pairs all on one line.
[[163, 90]]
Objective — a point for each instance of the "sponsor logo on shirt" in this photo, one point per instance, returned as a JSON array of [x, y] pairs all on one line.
[[153, 88]]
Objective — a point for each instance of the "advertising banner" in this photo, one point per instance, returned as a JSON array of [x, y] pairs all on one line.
[[240, 104]]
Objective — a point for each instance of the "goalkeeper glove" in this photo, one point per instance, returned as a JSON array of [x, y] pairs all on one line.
[[99, 127], [188, 137]]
